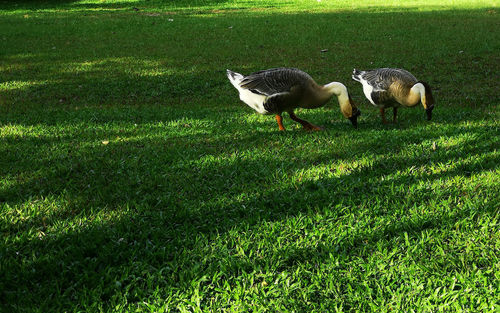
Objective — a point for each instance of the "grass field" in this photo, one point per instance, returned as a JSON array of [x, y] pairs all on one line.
[[133, 179]]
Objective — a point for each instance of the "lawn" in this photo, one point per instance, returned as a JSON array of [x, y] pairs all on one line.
[[133, 179]]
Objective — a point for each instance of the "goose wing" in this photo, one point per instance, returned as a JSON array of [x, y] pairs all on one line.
[[381, 79], [275, 81]]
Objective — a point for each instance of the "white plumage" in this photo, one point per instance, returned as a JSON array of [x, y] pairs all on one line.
[[253, 100]]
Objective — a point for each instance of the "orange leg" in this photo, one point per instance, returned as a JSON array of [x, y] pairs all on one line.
[[279, 119], [306, 124], [394, 114]]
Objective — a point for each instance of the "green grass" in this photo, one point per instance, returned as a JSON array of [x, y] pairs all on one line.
[[133, 178]]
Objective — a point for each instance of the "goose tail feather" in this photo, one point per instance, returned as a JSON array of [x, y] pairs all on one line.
[[356, 75], [234, 78]]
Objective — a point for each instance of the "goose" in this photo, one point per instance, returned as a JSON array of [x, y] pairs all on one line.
[[279, 90], [394, 87]]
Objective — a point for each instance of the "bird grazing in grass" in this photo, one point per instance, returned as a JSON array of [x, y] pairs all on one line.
[[391, 87], [279, 90]]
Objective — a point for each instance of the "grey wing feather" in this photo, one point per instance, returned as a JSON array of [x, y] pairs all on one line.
[[277, 103], [276, 80], [381, 79], [384, 80]]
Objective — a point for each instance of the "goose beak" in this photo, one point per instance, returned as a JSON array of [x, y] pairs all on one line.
[[354, 118], [428, 112]]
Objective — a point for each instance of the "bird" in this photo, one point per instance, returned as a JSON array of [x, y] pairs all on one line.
[[278, 90], [394, 87]]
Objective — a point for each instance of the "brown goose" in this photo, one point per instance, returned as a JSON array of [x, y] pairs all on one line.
[[279, 90], [392, 87]]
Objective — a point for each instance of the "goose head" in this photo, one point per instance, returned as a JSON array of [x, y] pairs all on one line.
[[355, 113], [347, 106], [426, 98]]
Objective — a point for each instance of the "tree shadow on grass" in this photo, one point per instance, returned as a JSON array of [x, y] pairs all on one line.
[[167, 207], [48, 4], [164, 137]]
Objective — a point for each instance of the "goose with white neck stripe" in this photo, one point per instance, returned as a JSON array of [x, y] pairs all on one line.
[[391, 87], [279, 90]]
